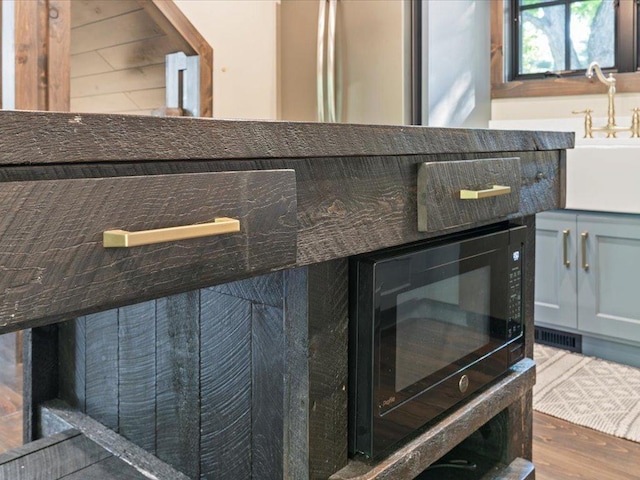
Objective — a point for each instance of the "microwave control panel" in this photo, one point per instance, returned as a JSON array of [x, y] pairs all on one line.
[[514, 327]]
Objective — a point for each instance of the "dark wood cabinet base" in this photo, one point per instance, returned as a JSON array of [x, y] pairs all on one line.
[[222, 373]]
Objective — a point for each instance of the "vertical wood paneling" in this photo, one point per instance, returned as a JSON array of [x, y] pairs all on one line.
[[178, 382], [137, 374], [225, 366], [265, 289], [296, 395], [328, 304], [72, 357], [267, 391], [102, 367]]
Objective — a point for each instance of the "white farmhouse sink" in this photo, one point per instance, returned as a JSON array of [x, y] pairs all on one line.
[[604, 175]]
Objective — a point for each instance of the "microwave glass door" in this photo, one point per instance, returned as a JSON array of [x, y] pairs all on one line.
[[443, 319], [439, 323]]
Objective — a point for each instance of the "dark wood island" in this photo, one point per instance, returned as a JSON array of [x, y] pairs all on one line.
[[226, 356]]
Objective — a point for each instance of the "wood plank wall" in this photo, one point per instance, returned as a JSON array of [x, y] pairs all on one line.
[[210, 361], [117, 57], [247, 364]]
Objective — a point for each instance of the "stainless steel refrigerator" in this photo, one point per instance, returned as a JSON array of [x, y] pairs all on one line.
[[355, 61]]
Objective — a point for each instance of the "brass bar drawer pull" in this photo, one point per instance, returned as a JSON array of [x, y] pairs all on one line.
[[491, 192], [124, 239]]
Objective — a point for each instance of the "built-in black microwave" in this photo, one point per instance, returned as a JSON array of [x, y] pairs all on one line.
[[429, 325]]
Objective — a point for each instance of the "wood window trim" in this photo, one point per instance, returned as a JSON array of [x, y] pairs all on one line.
[[580, 85]]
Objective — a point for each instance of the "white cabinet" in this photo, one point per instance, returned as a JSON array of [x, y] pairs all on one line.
[[588, 274]]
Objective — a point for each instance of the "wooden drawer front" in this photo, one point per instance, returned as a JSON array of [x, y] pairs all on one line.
[[440, 183], [53, 263]]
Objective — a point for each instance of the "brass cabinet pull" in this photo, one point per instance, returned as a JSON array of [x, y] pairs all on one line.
[[491, 192], [565, 240], [124, 239], [584, 236]]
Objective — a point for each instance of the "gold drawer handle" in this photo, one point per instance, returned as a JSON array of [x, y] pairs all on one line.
[[585, 265], [565, 241], [491, 192], [124, 239]]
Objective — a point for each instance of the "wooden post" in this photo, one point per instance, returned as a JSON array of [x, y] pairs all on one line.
[[58, 75], [42, 46]]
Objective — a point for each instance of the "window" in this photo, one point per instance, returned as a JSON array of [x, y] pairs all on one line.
[[548, 39], [563, 35]]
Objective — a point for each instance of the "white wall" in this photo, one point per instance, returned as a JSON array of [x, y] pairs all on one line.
[[458, 47], [242, 35]]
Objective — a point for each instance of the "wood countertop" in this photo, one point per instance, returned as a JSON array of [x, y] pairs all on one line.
[[29, 138]]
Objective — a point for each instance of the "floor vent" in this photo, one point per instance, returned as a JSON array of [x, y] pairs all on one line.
[[556, 338]]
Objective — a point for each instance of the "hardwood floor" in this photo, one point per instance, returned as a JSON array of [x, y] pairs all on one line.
[[562, 450], [10, 394]]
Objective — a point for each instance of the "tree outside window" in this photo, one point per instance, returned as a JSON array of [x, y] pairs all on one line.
[[563, 35]]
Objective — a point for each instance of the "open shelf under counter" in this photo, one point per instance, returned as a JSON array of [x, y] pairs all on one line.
[[418, 454]]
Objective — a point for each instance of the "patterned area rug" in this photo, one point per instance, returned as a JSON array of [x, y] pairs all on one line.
[[594, 393]]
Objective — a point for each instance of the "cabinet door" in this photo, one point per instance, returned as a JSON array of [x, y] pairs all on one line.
[[608, 288], [555, 287]]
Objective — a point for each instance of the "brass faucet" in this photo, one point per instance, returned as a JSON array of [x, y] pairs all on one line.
[[611, 129]]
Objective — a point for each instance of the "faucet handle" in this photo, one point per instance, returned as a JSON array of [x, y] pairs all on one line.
[[635, 123], [588, 121]]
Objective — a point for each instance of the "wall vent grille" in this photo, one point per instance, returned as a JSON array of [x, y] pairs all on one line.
[[556, 338]]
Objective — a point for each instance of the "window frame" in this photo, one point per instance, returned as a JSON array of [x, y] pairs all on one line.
[[502, 87]]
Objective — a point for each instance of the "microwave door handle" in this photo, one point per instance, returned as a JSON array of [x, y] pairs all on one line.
[[331, 61], [322, 14]]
